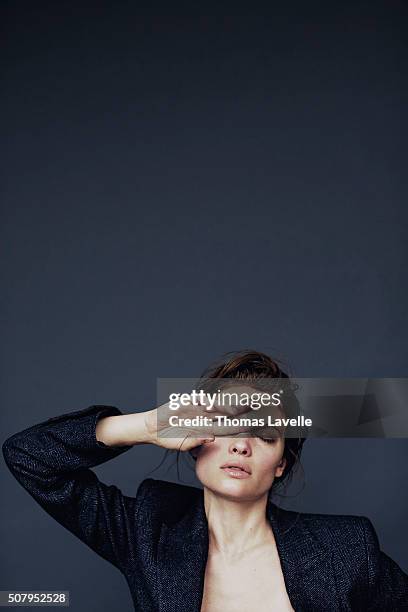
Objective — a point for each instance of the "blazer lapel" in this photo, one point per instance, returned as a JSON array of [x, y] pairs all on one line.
[[307, 566], [182, 559], [183, 551]]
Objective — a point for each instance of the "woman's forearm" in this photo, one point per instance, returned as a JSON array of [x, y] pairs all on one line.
[[125, 429]]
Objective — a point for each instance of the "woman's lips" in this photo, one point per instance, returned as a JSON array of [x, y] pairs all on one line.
[[235, 472]]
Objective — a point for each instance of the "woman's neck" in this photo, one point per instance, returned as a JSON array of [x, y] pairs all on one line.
[[235, 527]]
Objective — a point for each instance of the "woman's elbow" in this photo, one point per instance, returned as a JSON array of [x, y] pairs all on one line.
[[18, 458], [10, 451]]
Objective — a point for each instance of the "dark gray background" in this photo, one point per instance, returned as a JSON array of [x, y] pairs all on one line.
[[180, 182]]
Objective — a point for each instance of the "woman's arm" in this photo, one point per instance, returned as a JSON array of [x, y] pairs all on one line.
[[153, 427], [52, 461]]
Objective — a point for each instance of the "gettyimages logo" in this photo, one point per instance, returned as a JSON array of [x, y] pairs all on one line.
[[223, 399]]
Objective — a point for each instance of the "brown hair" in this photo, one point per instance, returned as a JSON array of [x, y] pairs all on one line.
[[254, 365]]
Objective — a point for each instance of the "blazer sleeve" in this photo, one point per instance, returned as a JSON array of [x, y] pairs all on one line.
[[388, 584], [52, 461]]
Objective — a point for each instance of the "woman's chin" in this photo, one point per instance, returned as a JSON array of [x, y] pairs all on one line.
[[233, 489]]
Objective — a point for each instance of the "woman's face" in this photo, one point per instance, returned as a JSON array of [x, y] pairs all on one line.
[[260, 460]]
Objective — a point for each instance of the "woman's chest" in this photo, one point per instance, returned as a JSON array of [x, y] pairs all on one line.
[[254, 583]]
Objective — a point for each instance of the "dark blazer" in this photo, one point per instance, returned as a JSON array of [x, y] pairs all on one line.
[[159, 539]]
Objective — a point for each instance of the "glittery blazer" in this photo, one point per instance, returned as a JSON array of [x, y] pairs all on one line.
[[159, 539]]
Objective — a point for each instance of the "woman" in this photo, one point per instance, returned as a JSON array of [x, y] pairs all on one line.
[[226, 547]]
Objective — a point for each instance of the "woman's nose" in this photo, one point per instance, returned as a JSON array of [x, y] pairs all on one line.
[[240, 446]]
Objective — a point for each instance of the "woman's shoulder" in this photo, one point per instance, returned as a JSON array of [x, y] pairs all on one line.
[[319, 519], [167, 501], [349, 530], [152, 486]]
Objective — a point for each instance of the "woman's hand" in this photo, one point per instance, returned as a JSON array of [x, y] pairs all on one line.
[[161, 433], [185, 438]]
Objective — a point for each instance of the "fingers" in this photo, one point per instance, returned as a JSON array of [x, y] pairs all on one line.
[[188, 443]]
